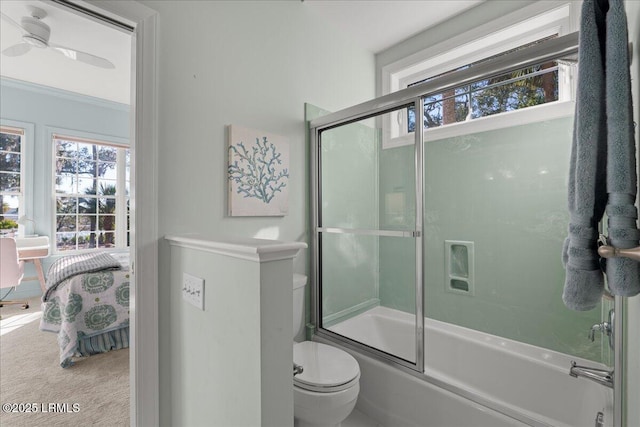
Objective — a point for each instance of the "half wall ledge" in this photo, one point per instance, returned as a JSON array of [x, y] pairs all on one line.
[[257, 250]]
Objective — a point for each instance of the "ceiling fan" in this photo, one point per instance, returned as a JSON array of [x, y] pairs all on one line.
[[36, 34]]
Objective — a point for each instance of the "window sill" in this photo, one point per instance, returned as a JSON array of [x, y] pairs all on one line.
[[534, 114]]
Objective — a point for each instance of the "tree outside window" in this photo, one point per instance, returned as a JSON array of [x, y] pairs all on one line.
[[11, 141], [508, 92], [91, 194]]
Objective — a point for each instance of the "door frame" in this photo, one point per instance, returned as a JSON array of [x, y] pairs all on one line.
[[144, 353]]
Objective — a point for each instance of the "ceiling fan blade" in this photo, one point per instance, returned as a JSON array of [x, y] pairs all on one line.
[[17, 49], [12, 22], [87, 58]]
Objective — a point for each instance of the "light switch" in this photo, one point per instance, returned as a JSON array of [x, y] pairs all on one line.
[[193, 290]]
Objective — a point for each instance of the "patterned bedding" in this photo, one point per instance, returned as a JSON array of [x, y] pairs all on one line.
[[87, 304]]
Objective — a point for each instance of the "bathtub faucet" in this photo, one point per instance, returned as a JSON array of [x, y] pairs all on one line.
[[600, 376]]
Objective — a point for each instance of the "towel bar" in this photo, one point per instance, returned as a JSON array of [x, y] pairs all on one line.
[[573, 59], [610, 252]]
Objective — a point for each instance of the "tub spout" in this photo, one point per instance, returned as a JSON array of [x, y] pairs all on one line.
[[600, 376]]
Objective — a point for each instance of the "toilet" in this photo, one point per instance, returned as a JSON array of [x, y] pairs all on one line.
[[326, 390]]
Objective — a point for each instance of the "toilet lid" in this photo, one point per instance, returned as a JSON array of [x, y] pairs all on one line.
[[325, 368]]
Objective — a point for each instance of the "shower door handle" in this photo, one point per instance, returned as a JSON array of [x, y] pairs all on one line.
[[606, 328]]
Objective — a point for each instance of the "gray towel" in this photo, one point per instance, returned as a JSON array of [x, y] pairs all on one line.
[[584, 281], [623, 274]]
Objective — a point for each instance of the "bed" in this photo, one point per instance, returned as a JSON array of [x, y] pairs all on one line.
[[86, 303]]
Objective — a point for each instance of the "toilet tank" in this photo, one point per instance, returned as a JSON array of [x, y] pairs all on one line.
[[299, 283]]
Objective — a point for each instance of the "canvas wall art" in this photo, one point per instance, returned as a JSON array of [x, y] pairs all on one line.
[[257, 173]]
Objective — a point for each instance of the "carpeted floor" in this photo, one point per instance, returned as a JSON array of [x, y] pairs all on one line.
[[95, 391]]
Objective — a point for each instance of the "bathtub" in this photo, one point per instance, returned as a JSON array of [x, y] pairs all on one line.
[[470, 379]]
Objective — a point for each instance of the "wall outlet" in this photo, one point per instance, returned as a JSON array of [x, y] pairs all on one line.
[[193, 290]]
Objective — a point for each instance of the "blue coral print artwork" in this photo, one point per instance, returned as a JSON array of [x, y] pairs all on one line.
[[257, 173]]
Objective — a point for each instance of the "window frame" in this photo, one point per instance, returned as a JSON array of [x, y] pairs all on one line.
[[121, 234], [25, 201], [20, 132], [514, 30]]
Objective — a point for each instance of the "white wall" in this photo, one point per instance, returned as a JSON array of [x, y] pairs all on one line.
[[471, 19], [251, 63], [43, 110], [239, 348]]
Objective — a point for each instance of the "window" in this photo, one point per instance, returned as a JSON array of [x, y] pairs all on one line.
[[91, 194], [508, 92], [494, 102], [11, 177]]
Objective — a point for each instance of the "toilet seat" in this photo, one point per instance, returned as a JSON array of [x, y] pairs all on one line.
[[326, 369]]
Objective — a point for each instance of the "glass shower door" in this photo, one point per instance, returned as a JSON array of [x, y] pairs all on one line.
[[366, 213]]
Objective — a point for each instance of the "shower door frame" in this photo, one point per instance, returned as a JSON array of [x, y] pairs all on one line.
[[550, 50], [417, 233]]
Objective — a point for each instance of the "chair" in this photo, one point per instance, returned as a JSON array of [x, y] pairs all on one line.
[[11, 269]]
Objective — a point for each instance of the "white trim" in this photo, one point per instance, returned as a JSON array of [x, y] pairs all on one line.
[[91, 137], [536, 28], [144, 359], [534, 114], [145, 385], [475, 40], [121, 144], [27, 159], [121, 200], [519, 28], [63, 94], [120, 234], [145, 397], [257, 250]]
